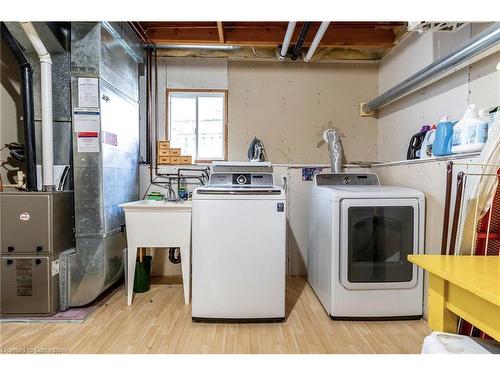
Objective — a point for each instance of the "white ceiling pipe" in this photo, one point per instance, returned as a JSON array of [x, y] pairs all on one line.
[[46, 97], [286, 41], [317, 38]]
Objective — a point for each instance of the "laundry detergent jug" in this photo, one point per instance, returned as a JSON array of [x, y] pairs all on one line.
[[426, 150], [484, 115], [443, 137], [470, 133], [416, 143]]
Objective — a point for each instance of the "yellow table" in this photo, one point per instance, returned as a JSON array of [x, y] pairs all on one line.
[[463, 286]]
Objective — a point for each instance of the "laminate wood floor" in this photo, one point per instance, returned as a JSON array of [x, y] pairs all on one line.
[[159, 322]]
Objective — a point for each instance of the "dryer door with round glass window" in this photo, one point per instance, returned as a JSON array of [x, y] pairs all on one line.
[[377, 235]]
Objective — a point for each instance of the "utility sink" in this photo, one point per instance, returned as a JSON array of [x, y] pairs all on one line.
[[158, 224], [153, 205]]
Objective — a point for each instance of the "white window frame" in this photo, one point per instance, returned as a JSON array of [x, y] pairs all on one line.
[[196, 93]]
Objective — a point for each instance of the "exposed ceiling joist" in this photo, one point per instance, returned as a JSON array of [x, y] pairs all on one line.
[[220, 29], [349, 35]]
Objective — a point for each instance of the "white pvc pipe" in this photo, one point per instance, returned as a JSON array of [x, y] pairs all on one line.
[[46, 98], [317, 38], [286, 41]]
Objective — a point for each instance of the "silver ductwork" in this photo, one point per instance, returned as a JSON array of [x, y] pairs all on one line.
[[332, 137], [107, 174]]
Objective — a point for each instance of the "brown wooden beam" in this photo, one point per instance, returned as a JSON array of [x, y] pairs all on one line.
[[375, 37], [220, 29]]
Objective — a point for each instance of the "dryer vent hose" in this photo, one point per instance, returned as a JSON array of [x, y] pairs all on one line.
[[331, 136]]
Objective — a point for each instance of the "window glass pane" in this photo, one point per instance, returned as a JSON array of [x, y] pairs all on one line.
[[379, 239], [211, 127], [183, 123]]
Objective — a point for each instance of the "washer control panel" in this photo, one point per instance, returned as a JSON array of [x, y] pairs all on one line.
[[241, 179]]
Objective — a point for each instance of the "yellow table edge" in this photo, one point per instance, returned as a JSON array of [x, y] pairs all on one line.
[[434, 264], [452, 296]]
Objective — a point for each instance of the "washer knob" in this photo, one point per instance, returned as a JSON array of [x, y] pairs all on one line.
[[347, 180], [241, 179]]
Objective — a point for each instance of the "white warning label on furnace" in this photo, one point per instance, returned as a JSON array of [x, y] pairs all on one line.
[[88, 142]]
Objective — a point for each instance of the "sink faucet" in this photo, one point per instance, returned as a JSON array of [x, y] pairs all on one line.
[[171, 196]]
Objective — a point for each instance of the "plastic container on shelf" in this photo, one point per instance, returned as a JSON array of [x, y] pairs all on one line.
[[470, 133], [443, 137], [416, 143], [484, 115], [426, 150]]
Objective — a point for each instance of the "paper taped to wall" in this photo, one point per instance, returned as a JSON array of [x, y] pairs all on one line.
[[86, 120], [87, 142], [88, 92]]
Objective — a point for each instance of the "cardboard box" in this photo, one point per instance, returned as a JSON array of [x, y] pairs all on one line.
[[175, 152], [186, 160], [175, 159]]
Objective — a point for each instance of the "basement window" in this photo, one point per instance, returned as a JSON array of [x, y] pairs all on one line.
[[197, 123]]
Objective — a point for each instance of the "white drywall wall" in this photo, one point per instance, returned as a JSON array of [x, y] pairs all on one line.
[[289, 105]]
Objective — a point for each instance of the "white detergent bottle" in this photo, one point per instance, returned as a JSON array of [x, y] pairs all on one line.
[[470, 133], [484, 115], [426, 149]]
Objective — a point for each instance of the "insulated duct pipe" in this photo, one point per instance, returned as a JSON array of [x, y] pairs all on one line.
[[332, 138], [28, 110], [317, 39], [300, 41], [473, 47], [46, 97], [286, 41]]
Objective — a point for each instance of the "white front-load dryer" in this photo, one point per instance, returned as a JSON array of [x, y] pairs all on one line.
[[360, 234]]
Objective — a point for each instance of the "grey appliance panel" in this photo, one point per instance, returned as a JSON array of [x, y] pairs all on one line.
[[350, 179], [28, 288], [36, 222]]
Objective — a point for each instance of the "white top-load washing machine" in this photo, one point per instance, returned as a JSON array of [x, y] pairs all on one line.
[[239, 245], [360, 234]]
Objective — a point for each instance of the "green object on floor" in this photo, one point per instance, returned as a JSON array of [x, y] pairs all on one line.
[[142, 280], [155, 196]]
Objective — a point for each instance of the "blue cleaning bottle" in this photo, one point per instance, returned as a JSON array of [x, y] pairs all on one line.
[[443, 137]]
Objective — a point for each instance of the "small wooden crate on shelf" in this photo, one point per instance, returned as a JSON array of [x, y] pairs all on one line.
[[186, 160], [163, 145], [175, 152], [163, 160], [171, 156]]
